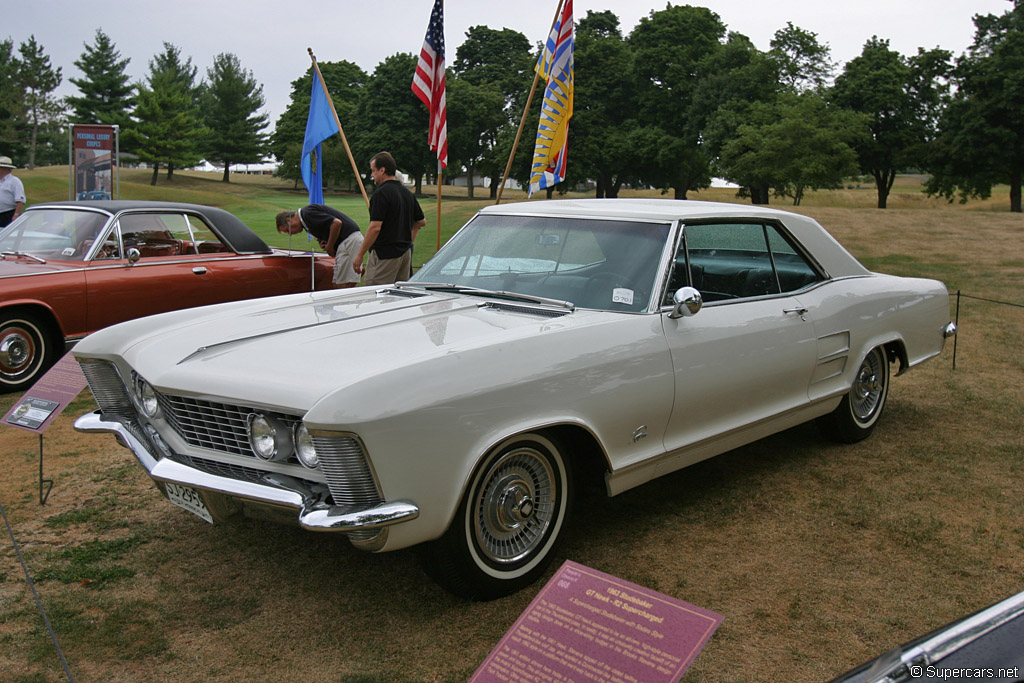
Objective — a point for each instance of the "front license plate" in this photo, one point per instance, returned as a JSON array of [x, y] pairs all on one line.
[[188, 498]]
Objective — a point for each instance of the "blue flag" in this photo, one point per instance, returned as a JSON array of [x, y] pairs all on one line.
[[320, 125]]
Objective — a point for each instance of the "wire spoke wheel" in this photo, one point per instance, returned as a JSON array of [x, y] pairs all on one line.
[[515, 507], [509, 523], [869, 388], [857, 414]]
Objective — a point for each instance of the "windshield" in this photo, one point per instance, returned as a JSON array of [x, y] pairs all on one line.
[[62, 234], [602, 264]]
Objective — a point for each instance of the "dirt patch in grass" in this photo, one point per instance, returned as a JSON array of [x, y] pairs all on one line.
[[818, 555]]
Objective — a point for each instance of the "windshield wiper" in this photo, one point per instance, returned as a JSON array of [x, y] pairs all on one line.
[[427, 285], [477, 291], [18, 254]]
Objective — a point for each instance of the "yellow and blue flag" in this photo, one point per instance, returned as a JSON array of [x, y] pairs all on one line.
[[556, 66], [320, 125]]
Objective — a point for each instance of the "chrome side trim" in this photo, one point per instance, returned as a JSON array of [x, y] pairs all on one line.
[[123, 263], [220, 493], [641, 472]]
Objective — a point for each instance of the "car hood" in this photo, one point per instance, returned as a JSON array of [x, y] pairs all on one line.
[[292, 351]]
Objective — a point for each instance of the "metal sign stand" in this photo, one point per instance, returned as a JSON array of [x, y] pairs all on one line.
[[48, 482]]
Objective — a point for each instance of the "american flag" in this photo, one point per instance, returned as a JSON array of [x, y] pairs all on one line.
[[429, 84]]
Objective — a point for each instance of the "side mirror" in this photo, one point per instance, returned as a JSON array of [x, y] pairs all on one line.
[[133, 255], [688, 301]]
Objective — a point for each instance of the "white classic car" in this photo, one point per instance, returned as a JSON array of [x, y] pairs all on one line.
[[545, 343]]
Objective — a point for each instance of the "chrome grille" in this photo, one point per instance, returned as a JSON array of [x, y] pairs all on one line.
[[222, 469], [206, 424], [347, 471], [107, 388], [223, 427], [112, 397]]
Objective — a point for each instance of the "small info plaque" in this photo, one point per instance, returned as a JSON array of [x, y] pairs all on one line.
[[48, 397], [585, 625]]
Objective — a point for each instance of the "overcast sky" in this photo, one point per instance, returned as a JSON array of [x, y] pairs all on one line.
[[270, 37]]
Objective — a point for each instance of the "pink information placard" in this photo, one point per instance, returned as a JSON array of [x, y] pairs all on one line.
[[48, 397], [585, 625]]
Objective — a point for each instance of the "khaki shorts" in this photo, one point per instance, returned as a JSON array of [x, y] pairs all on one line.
[[389, 270], [344, 273]]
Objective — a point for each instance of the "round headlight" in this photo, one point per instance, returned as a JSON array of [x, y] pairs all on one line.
[[262, 437], [304, 447], [145, 396], [268, 437]]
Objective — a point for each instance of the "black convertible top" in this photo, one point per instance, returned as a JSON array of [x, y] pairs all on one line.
[[234, 232]]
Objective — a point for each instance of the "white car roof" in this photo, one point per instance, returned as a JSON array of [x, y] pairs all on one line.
[[829, 253]]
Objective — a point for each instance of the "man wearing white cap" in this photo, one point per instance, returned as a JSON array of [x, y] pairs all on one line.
[[12, 193]]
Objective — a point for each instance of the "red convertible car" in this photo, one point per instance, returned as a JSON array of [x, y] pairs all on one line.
[[70, 268]]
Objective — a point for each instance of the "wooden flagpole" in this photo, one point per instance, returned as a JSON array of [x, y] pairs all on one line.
[[526, 111], [341, 131]]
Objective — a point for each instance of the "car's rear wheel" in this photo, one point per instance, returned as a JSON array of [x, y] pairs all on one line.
[[858, 412], [26, 350], [509, 523]]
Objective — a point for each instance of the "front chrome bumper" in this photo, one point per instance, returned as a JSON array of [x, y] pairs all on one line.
[[226, 497]]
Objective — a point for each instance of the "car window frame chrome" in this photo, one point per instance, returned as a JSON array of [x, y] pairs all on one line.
[[113, 226], [658, 283], [783, 231]]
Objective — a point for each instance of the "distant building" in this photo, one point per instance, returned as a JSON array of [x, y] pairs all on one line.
[[263, 168]]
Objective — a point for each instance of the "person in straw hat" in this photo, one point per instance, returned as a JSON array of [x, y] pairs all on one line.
[[12, 193]]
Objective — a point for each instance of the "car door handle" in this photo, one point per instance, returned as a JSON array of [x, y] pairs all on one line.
[[799, 310], [199, 270]]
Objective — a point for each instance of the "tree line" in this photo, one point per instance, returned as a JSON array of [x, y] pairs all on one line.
[[169, 119], [678, 100]]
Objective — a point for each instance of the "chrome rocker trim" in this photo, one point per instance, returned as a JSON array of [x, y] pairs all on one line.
[[224, 496]]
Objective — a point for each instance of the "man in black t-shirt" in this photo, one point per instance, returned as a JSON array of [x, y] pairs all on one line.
[[336, 233], [395, 220]]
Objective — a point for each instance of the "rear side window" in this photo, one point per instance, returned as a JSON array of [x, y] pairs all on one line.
[[726, 261], [159, 235]]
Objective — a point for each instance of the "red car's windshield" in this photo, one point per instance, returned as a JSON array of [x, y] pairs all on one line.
[[61, 234]]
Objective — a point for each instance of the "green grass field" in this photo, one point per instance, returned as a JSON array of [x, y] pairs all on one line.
[[818, 555], [256, 199]]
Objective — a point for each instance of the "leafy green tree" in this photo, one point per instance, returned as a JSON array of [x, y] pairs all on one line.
[[793, 144], [231, 100], [289, 159], [345, 82], [475, 115], [495, 61], [670, 48], [499, 58], [12, 101], [39, 79], [736, 79], [390, 117], [107, 94], [887, 87], [803, 62], [605, 107], [981, 139], [168, 128]]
